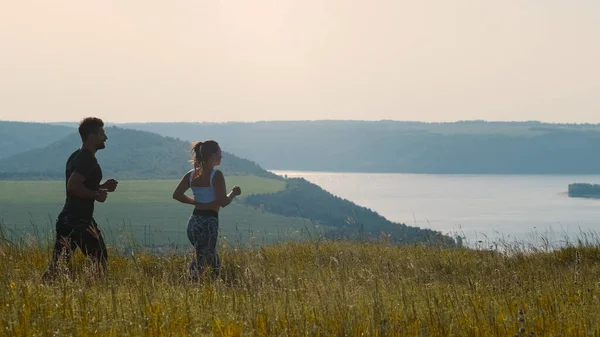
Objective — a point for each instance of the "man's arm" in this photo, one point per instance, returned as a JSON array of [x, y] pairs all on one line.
[[76, 187], [82, 168], [109, 185]]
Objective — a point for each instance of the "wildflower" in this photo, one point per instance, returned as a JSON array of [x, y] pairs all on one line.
[[13, 285]]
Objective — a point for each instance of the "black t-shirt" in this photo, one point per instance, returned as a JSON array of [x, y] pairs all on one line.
[[83, 162]]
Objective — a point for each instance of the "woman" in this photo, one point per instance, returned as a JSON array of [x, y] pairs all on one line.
[[208, 186]]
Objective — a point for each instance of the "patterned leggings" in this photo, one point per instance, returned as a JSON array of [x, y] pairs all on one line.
[[202, 232]]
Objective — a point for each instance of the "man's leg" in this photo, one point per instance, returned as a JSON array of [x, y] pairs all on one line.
[[63, 246], [91, 243]]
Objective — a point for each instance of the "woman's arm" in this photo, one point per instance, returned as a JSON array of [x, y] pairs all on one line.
[[220, 190], [179, 194], [182, 187]]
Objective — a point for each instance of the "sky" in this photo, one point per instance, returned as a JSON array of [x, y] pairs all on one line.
[[242, 60]]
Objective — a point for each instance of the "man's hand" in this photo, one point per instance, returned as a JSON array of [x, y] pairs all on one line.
[[101, 195], [110, 185], [236, 190]]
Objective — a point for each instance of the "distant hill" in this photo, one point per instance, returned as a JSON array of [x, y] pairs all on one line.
[[470, 147], [132, 154], [18, 137], [304, 199], [129, 154]]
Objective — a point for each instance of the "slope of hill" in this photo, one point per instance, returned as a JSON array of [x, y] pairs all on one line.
[[129, 154], [135, 155], [405, 147], [18, 137], [304, 199]]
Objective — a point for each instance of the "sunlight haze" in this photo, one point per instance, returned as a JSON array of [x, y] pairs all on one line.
[[234, 60]]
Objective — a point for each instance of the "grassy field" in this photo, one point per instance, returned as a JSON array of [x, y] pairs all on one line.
[[145, 210], [310, 289]]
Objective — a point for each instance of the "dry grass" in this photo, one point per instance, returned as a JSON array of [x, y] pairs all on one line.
[[309, 289]]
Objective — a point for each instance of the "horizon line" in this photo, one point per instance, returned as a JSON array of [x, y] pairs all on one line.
[[316, 120]]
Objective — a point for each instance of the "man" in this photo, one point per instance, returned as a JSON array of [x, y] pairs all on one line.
[[75, 225]]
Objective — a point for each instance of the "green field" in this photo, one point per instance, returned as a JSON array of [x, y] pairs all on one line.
[[145, 209]]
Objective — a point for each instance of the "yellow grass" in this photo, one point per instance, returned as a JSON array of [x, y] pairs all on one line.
[[309, 289]]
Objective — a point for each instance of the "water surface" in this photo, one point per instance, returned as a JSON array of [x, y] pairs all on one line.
[[479, 206]]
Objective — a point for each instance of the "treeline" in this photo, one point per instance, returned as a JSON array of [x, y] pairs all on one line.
[[405, 147], [129, 154], [470, 147], [306, 200], [584, 190]]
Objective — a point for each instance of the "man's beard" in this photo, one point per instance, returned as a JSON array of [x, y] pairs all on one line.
[[100, 146]]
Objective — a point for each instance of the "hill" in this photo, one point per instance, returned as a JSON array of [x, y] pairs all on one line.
[[129, 154], [470, 147], [141, 155], [301, 198], [18, 137]]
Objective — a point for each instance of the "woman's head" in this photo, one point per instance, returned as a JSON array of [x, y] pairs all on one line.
[[205, 154]]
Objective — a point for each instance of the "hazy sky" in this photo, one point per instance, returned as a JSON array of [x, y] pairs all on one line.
[[245, 60]]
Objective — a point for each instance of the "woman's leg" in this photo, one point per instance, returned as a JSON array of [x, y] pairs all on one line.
[[212, 226], [203, 234], [194, 223]]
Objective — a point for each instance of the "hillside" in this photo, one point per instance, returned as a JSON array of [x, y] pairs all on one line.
[[140, 155], [473, 147], [303, 199], [129, 154], [17, 137], [469, 147]]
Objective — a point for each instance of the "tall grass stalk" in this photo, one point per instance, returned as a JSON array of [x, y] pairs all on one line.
[[310, 288]]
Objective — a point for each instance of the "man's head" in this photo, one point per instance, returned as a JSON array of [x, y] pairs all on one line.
[[91, 130]]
